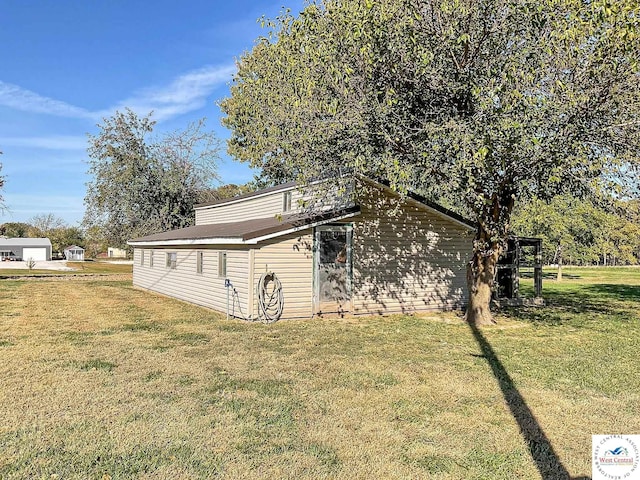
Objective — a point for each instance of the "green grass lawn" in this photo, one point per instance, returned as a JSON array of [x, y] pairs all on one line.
[[99, 380]]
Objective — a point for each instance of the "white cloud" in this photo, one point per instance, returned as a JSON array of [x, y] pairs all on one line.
[[18, 98], [51, 142], [186, 93]]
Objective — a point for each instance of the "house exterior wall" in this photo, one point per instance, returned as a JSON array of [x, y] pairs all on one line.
[[17, 248], [271, 204], [113, 252], [406, 258], [185, 283], [291, 258], [263, 206], [74, 254]]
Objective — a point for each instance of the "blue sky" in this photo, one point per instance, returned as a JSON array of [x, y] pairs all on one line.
[[65, 65]]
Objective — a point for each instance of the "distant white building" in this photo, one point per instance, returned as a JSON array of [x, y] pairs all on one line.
[[74, 253], [113, 252], [38, 249]]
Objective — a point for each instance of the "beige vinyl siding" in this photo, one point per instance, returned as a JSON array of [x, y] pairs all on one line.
[[265, 206], [290, 257], [407, 259], [269, 205], [184, 283]]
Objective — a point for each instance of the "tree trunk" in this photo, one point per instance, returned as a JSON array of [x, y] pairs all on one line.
[[491, 236], [481, 272], [559, 276]]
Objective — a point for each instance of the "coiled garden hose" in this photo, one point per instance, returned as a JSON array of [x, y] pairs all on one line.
[[270, 298]]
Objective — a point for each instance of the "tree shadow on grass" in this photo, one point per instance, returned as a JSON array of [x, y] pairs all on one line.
[[563, 307], [540, 448], [614, 291]]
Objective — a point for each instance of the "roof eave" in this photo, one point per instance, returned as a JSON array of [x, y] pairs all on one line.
[[249, 239], [189, 241], [298, 228]]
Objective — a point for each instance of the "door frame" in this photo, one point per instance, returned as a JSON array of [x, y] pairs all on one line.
[[336, 227]]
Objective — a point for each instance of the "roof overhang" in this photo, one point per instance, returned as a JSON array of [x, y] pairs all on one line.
[[252, 238]]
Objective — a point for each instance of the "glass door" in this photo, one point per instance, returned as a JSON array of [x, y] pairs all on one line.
[[333, 268]]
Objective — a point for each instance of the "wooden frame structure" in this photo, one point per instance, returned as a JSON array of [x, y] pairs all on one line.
[[508, 274]]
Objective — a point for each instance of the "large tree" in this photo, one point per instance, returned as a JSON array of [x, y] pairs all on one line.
[[43, 223], [142, 185], [481, 101]]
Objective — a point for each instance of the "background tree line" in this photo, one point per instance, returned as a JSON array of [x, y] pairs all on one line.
[[580, 232]]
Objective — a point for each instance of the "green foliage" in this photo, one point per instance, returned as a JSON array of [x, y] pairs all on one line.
[[54, 228], [95, 242], [15, 229], [141, 185], [45, 222], [226, 191], [490, 100], [577, 231]]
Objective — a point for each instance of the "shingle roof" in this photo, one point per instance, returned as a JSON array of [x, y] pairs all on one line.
[[248, 229]]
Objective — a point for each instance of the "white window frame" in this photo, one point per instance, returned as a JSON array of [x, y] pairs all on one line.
[[199, 261], [172, 264], [142, 258], [150, 258], [286, 201], [222, 264]]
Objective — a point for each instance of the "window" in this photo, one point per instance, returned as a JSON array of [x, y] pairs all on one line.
[[199, 261], [142, 258], [151, 258], [222, 264], [286, 202], [172, 260]]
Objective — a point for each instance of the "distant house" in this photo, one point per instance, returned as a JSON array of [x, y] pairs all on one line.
[[113, 252], [74, 253], [377, 253], [38, 249]]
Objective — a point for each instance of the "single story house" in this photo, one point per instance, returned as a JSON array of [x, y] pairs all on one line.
[[38, 249], [74, 253], [267, 254]]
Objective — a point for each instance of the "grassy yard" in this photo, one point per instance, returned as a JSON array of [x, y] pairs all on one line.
[[80, 268], [98, 380]]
